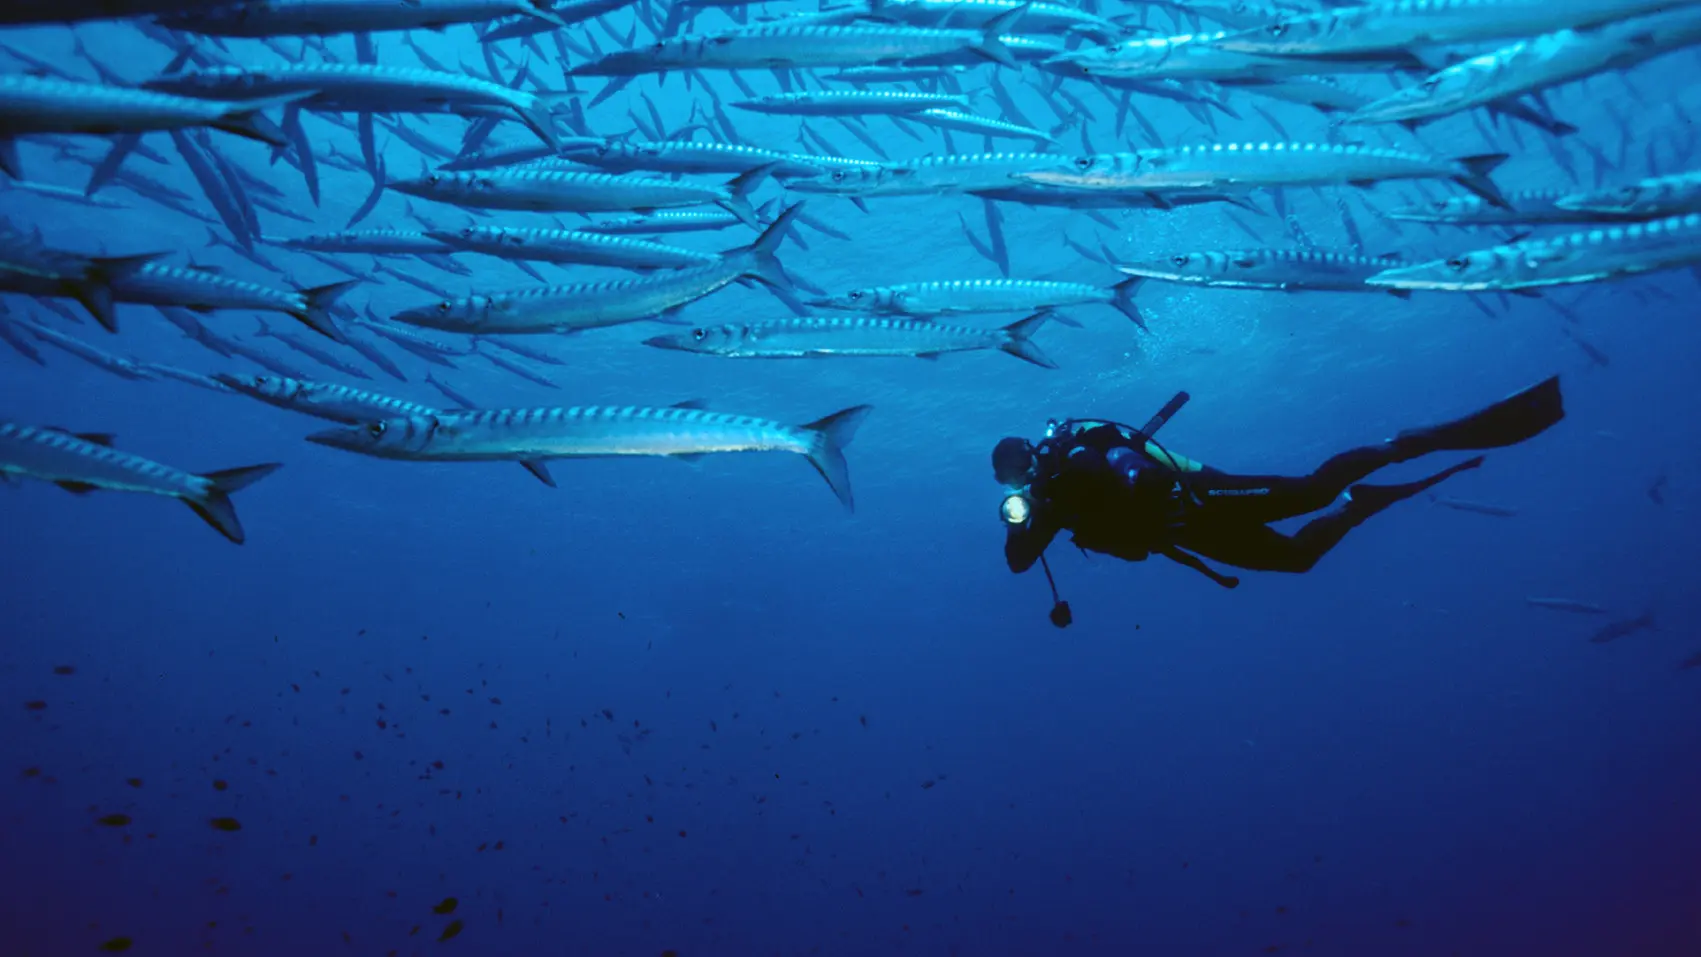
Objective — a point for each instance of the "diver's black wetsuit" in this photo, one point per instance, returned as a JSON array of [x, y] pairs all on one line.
[[1125, 496]]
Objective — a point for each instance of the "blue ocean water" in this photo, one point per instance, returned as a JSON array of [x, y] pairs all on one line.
[[701, 708]]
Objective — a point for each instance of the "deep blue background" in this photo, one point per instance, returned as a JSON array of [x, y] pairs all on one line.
[[1391, 755]]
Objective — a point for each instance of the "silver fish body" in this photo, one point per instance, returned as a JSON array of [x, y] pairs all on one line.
[[566, 246], [1591, 255], [1651, 198], [537, 435], [86, 463], [1286, 269], [857, 336]]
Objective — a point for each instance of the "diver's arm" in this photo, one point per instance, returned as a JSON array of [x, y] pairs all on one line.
[[1192, 561], [1024, 544]]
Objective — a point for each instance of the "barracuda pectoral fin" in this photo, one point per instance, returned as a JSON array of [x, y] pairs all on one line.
[[9, 163], [539, 468], [690, 458], [1400, 293], [696, 404], [78, 488]]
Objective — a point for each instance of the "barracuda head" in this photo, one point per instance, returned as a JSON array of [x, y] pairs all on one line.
[[386, 439], [856, 300], [1426, 99], [450, 314], [1482, 269], [848, 181], [1181, 267], [267, 388], [712, 341], [1622, 199], [1298, 34]]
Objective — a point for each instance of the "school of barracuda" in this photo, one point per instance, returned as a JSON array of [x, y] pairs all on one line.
[[542, 137]]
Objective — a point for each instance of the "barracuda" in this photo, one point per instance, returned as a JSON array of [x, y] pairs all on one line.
[[1348, 32], [1591, 255], [851, 102], [1527, 207], [956, 297], [564, 191], [969, 123], [85, 463], [1252, 165], [1185, 56], [1535, 64], [32, 105], [155, 284], [31, 269], [860, 336], [537, 435], [283, 18], [782, 45], [687, 156], [322, 400], [379, 242], [1656, 196], [956, 173], [1286, 269], [367, 88], [566, 246], [594, 305], [1037, 17]]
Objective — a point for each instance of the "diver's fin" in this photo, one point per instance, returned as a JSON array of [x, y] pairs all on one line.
[[1367, 500], [1507, 422]]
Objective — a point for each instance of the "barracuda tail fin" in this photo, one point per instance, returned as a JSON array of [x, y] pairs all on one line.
[[738, 194], [1018, 340], [757, 260], [319, 300], [991, 45], [1476, 178], [246, 119], [827, 454], [214, 505], [1123, 299]]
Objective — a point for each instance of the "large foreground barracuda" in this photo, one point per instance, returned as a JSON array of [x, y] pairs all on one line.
[[958, 297], [859, 336], [593, 305], [375, 242], [566, 191], [1348, 32], [537, 435], [565, 246], [33, 105], [1253, 165], [84, 463], [955, 173], [782, 45], [1185, 56], [1651, 198], [1592, 255], [367, 88], [1535, 64], [281, 18]]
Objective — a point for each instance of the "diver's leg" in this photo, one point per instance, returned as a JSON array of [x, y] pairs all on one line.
[[1261, 548]]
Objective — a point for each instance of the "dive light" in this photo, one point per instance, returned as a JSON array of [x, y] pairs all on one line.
[[1015, 509]]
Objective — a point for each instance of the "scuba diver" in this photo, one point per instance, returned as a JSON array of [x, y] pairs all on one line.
[[1123, 494]]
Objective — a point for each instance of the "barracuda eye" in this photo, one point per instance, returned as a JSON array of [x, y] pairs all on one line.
[[434, 179], [1277, 29], [444, 307], [698, 334], [1084, 162], [1439, 204], [853, 297], [376, 429], [1179, 260], [838, 176], [1458, 263]]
